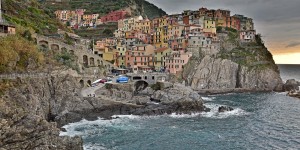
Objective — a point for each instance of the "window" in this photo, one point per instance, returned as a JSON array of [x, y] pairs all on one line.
[[153, 77]]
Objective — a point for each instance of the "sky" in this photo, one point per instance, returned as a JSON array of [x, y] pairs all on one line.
[[278, 21]]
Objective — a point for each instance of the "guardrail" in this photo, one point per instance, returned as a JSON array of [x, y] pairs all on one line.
[[24, 75]]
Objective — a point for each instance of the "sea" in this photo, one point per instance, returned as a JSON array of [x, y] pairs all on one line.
[[259, 121]]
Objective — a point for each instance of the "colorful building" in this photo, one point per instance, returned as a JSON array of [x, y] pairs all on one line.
[[159, 57], [140, 57], [120, 58], [176, 61], [247, 36], [114, 16]]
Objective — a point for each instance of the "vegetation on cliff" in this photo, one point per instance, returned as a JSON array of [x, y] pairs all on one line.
[[31, 15], [105, 6], [253, 55], [18, 53]]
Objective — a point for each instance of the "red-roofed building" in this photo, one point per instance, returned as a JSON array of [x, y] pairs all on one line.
[[114, 16]]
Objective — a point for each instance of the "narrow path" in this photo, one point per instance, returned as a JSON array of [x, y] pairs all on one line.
[[90, 91]]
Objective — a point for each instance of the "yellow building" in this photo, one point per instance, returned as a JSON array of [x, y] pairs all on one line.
[[120, 59], [109, 54], [210, 25], [160, 53], [146, 26]]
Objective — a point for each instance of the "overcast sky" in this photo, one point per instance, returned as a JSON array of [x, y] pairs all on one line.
[[277, 20]]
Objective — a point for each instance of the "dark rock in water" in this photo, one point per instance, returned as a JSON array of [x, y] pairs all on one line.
[[225, 108], [294, 93], [291, 84], [155, 100], [206, 109], [63, 130]]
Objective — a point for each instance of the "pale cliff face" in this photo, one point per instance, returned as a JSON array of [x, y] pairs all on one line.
[[220, 74]]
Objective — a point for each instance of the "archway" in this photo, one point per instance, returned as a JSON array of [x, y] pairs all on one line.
[[81, 83], [54, 47], [140, 86], [92, 61], [43, 45], [85, 61], [98, 62], [89, 82], [136, 78]]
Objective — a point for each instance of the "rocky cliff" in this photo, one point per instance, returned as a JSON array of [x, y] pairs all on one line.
[[33, 110], [247, 66], [27, 113]]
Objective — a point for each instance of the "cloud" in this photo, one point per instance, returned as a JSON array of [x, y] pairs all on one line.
[[293, 44]]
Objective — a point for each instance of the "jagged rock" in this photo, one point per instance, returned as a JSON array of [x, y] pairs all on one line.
[[225, 108], [164, 85], [27, 112], [294, 93], [221, 74], [291, 84], [39, 108]]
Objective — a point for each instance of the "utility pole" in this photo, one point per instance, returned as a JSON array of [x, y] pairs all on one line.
[[1, 12]]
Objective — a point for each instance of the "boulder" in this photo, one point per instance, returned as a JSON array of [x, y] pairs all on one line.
[[224, 109], [291, 84], [294, 93]]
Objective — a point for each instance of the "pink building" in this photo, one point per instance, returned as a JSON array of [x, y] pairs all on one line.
[[176, 61], [178, 44], [114, 16], [140, 57], [145, 38]]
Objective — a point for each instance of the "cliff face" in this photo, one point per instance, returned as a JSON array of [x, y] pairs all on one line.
[[238, 66], [32, 110], [220, 74], [27, 115]]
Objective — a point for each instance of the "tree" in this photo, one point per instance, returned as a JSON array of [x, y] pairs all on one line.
[[107, 32]]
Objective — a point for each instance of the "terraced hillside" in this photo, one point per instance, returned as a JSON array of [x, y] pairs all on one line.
[[138, 7]]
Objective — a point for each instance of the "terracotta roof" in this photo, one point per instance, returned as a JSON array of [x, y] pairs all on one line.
[[161, 49]]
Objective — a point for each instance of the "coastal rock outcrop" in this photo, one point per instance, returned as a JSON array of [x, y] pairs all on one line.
[[175, 99], [27, 114], [224, 109], [291, 84], [223, 74], [294, 93]]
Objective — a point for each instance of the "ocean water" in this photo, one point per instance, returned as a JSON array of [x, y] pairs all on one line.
[[289, 72], [259, 121]]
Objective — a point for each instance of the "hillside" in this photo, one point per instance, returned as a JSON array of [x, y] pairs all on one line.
[[236, 66], [31, 15], [138, 7]]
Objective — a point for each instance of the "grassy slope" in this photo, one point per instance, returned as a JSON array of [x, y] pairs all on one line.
[[31, 15]]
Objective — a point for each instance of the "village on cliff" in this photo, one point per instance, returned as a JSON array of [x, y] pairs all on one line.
[[161, 44]]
